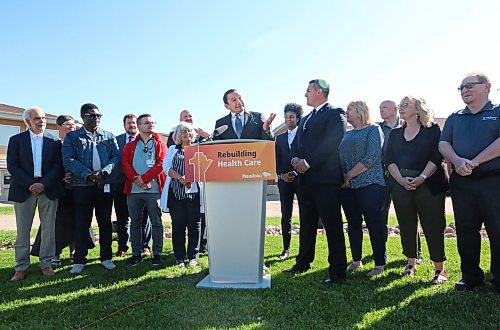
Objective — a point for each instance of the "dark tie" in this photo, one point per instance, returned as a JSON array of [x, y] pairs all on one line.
[[130, 138], [238, 125], [309, 118]]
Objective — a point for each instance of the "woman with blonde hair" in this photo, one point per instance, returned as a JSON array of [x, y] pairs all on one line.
[[415, 163], [361, 196]]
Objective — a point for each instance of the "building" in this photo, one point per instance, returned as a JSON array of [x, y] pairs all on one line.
[[11, 123]]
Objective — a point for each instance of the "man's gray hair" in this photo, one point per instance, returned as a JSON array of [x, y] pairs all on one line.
[[27, 112]]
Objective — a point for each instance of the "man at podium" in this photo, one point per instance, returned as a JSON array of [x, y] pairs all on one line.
[[243, 124]]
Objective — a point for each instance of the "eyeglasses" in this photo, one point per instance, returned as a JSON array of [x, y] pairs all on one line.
[[93, 115], [469, 85], [148, 123], [403, 105]]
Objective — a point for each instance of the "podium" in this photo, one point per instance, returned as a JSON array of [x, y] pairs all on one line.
[[234, 173]]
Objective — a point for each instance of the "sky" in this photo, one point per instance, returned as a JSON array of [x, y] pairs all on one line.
[[160, 57]]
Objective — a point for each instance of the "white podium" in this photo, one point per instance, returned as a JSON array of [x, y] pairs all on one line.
[[235, 209]]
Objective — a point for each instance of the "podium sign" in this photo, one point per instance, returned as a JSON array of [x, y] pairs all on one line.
[[230, 162], [235, 174]]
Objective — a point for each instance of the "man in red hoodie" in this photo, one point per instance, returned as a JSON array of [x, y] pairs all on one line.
[[142, 164]]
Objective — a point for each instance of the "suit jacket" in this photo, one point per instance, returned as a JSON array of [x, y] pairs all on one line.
[[319, 145], [20, 166], [120, 177], [283, 154], [251, 130]]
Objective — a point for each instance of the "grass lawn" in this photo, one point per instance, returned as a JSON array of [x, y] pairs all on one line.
[[293, 302], [6, 209]]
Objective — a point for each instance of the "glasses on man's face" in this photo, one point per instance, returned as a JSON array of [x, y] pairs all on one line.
[[469, 85], [148, 123], [93, 115], [403, 105]]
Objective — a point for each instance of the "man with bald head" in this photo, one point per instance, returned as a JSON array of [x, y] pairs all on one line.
[[470, 140], [187, 116], [35, 164]]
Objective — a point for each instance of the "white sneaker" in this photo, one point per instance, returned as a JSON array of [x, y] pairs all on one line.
[[77, 269], [108, 264], [193, 263]]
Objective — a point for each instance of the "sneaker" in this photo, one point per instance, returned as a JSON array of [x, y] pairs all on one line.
[[375, 271], [146, 252], [134, 260], [72, 257], [409, 270], [464, 285], [355, 265], [180, 264], [56, 261], [77, 269], [193, 263], [419, 261], [156, 261], [108, 264], [284, 255]]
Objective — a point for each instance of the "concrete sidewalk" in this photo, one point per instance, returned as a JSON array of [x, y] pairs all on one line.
[[8, 222]]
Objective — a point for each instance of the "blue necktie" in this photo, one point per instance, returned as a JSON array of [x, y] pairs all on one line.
[[238, 125]]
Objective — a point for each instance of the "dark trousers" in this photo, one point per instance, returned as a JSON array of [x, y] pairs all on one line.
[[386, 205], [185, 213], [203, 225], [87, 199], [287, 191], [476, 201], [420, 204], [364, 204], [65, 226], [123, 222], [323, 201]]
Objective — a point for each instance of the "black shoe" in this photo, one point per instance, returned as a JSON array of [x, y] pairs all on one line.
[[284, 255], [334, 280], [296, 269], [156, 261], [464, 285], [134, 260]]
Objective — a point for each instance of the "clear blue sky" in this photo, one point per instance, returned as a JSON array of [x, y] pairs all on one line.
[[160, 57]]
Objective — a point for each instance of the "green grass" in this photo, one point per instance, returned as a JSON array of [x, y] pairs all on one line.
[[293, 302], [6, 209]]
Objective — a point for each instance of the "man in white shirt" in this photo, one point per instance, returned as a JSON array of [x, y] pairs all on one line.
[[34, 162]]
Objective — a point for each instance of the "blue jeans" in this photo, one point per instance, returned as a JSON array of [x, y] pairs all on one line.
[[365, 204]]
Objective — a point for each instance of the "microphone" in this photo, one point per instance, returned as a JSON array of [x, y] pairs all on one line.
[[218, 131]]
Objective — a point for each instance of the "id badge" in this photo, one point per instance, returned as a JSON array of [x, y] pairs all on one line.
[[150, 162]]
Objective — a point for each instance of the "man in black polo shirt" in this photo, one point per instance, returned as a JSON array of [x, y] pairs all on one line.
[[471, 141]]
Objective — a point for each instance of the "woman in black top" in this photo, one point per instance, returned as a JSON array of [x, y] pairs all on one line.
[[416, 165]]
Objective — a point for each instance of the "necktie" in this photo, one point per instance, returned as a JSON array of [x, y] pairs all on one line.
[[238, 125], [130, 138], [309, 118]]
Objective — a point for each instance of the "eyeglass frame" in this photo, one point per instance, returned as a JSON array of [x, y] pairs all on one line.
[[469, 85], [93, 115]]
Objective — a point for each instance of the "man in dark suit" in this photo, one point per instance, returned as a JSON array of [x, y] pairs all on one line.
[[243, 124], [34, 162], [120, 199], [287, 183], [316, 158], [187, 116]]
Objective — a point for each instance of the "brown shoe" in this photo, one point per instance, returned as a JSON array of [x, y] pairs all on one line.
[[440, 276], [18, 276], [48, 271], [146, 252], [120, 253]]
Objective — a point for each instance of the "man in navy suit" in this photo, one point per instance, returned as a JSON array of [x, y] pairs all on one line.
[[35, 164], [120, 199], [287, 183], [315, 153], [243, 124]]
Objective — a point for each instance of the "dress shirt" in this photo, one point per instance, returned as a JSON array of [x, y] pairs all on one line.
[[233, 119], [36, 148], [96, 161], [130, 138], [291, 136]]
